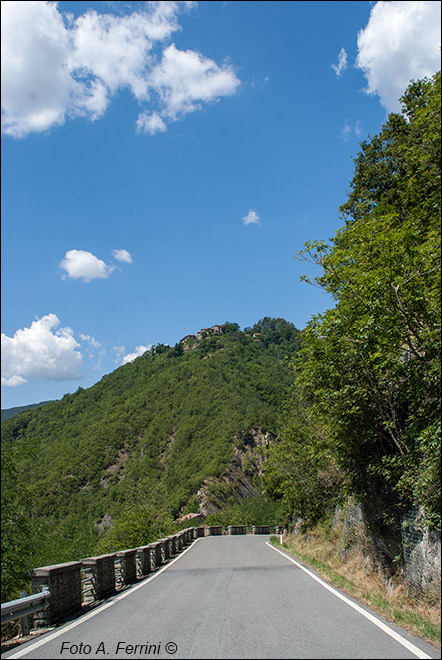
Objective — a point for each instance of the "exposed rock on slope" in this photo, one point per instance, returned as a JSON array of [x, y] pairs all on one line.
[[242, 477]]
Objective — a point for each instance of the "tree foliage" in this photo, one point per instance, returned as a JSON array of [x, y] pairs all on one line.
[[369, 368], [17, 528], [301, 469]]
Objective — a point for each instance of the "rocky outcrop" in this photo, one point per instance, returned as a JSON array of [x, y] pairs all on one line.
[[242, 477], [421, 552], [419, 549]]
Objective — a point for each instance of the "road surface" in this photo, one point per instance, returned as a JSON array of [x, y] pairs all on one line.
[[227, 597]]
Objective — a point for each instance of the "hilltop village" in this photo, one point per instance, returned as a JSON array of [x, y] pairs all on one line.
[[189, 340]]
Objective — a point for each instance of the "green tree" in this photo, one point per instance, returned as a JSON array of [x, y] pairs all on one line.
[[143, 518], [370, 366], [301, 469], [16, 529]]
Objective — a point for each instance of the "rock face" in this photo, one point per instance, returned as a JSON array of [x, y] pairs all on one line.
[[421, 552], [238, 481], [420, 548]]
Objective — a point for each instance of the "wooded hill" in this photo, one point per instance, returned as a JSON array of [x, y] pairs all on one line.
[[113, 465]]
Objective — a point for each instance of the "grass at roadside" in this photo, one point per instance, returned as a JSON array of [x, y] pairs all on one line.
[[418, 613]]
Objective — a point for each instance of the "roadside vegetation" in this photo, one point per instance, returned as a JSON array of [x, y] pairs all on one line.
[[363, 417]]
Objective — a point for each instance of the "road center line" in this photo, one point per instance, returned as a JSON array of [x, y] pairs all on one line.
[[398, 638], [52, 635]]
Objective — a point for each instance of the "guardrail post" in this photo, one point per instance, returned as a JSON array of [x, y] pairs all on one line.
[[173, 544], [156, 554], [200, 532], [24, 620], [144, 561], [165, 550], [180, 542], [128, 569], [215, 530], [103, 575], [237, 529], [261, 529], [64, 583]]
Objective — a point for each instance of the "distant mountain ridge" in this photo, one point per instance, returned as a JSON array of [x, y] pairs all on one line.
[[178, 430], [7, 413]]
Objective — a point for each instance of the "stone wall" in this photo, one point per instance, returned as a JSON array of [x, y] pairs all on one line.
[[64, 583], [103, 575], [237, 529]]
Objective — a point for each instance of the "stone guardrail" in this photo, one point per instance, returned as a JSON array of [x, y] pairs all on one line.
[[75, 586]]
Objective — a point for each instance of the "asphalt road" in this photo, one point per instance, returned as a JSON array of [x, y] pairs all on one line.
[[226, 597]]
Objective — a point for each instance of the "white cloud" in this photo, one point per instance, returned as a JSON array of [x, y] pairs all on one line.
[[80, 264], [340, 67], [36, 87], [40, 351], [252, 218], [91, 340], [130, 357], [400, 43], [55, 68], [122, 255], [184, 79], [150, 123]]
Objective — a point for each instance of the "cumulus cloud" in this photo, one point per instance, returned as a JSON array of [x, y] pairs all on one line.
[[55, 68], [340, 67], [150, 123], [184, 79], [400, 43], [122, 255], [130, 357], [80, 264], [40, 351], [252, 218]]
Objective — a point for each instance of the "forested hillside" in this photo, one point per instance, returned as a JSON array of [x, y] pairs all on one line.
[[364, 419], [112, 466]]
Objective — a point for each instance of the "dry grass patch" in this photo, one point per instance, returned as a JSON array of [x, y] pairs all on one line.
[[353, 572]]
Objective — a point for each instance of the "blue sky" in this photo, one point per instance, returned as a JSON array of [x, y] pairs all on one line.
[[163, 162]]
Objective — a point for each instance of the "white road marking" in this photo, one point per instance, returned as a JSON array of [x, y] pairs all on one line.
[[74, 624], [404, 642]]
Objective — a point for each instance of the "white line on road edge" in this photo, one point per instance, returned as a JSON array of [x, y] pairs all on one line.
[[408, 645], [82, 619]]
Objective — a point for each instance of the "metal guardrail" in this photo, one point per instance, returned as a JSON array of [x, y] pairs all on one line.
[[21, 607]]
